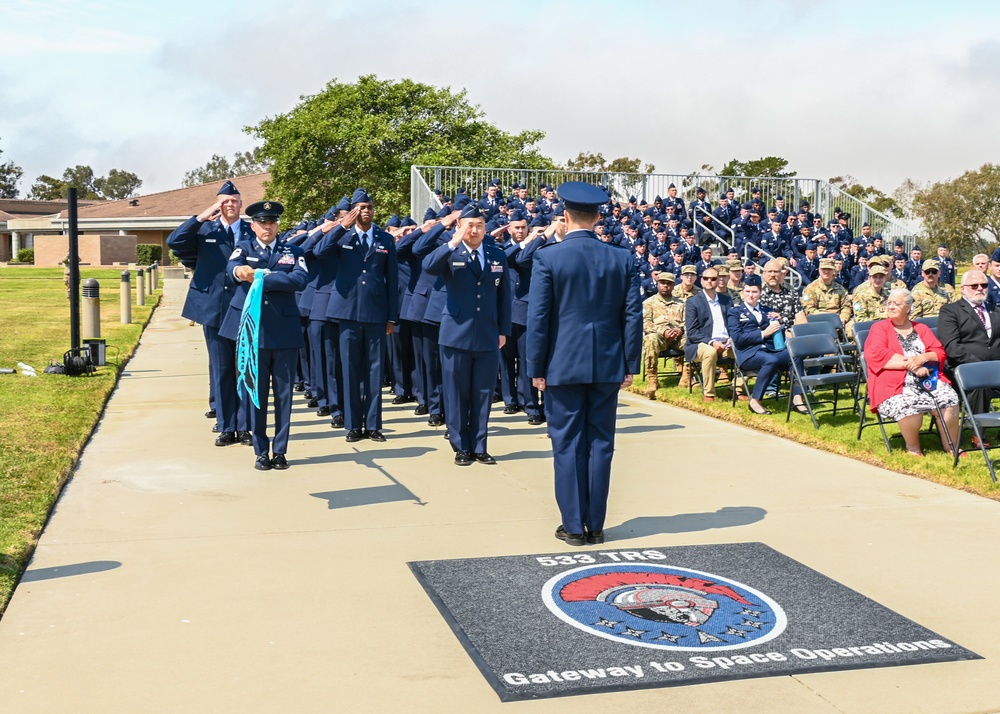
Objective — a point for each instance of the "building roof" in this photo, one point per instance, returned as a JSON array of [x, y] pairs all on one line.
[[26, 208], [178, 202]]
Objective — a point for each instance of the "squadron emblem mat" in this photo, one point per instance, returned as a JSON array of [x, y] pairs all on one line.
[[603, 620]]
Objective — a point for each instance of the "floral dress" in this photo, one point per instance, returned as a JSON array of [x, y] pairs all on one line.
[[914, 399]]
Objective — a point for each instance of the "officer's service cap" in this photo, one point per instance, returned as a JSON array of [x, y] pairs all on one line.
[[931, 264], [666, 276], [876, 269], [827, 264], [581, 196], [265, 210], [228, 189], [688, 270]]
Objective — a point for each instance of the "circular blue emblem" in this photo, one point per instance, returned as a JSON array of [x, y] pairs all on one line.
[[663, 607]]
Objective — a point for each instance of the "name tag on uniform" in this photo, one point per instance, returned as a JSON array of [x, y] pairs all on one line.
[[381, 250], [347, 247], [457, 264], [211, 240], [253, 258]]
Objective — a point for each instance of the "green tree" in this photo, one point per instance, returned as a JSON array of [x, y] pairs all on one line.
[[82, 179], [772, 166], [47, 188], [369, 132], [588, 161], [10, 177], [219, 168], [117, 185], [958, 211], [868, 194]]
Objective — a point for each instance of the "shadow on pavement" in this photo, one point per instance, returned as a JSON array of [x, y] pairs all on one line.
[[728, 517], [65, 571]]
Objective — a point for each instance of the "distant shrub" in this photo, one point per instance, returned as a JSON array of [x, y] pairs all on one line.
[[26, 255], [147, 253]]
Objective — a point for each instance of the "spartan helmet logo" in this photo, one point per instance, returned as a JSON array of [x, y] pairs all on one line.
[[678, 605]]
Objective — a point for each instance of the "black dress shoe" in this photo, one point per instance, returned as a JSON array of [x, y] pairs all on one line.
[[263, 463], [312, 403], [215, 428], [226, 438], [483, 458], [245, 437], [595, 537], [279, 462], [570, 538], [446, 435], [299, 386], [497, 398], [210, 414], [511, 409], [435, 420], [536, 419], [404, 399], [375, 435], [463, 458], [337, 422], [354, 435], [308, 394], [323, 411], [420, 410]]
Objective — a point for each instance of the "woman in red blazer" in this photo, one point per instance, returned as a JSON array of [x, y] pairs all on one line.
[[900, 356]]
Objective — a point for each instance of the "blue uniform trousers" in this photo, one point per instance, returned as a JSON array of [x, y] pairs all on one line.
[[469, 378], [431, 355], [324, 364], [361, 348], [527, 395], [508, 373], [222, 374], [211, 377], [767, 365], [276, 373], [401, 356], [303, 371], [581, 421]]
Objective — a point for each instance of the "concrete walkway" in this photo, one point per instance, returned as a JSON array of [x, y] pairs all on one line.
[[173, 577]]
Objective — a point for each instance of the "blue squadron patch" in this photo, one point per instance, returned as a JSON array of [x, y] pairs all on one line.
[[663, 607]]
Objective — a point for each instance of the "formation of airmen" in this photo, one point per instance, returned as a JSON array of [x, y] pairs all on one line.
[[377, 303]]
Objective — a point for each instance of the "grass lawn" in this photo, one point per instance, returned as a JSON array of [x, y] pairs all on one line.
[[839, 435], [46, 420]]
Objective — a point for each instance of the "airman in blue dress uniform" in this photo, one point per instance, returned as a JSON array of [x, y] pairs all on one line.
[[208, 240], [475, 324], [584, 342], [280, 334]]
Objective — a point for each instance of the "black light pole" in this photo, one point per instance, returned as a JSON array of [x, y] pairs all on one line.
[[74, 276]]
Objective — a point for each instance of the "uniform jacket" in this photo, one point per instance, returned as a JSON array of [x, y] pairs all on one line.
[[428, 300], [280, 326], [365, 288], [212, 286], [745, 331], [324, 272], [698, 322], [584, 312], [477, 309]]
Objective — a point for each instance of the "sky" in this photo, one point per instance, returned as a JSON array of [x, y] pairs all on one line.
[[882, 91]]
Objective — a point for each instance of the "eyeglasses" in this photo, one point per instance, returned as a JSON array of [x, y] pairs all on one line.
[[705, 277], [977, 286], [930, 272]]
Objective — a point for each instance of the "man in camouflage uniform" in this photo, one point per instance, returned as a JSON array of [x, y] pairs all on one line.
[[687, 289], [869, 298], [825, 295], [662, 328], [734, 287], [929, 296]]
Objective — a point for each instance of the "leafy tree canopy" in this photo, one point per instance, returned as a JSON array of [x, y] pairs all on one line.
[[956, 212], [869, 194], [218, 168], [369, 132], [588, 161], [10, 177], [773, 166], [116, 185]]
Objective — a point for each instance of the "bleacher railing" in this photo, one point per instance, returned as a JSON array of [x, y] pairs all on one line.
[[823, 197]]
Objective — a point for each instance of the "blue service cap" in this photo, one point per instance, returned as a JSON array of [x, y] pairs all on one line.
[[779, 197], [517, 215], [810, 246], [748, 206], [632, 199], [865, 225], [462, 190], [680, 251], [803, 202], [943, 245], [360, 196], [699, 190], [658, 199], [755, 189], [408, 221], [471, 210], [558, 210], [429, 214], [445, 211], [643, 203], [580, 196], [685, 223], [516, 186], [265, 210], [228, 189], [670, 187], [393, 221], [461, 201], [494, 182], [722, 195], [437, 192], [446, 199], [899, 242], [539, 219], [836, 209]]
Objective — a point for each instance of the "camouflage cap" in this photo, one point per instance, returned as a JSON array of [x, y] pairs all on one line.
[[734, 265], [827, 264], [689, 270], [882, 260], [931, 264], [876, 269], [723, 270], [666, 276]]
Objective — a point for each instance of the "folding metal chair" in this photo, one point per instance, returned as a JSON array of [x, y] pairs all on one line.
[[931, 322], [838, 325], [677, 356], [811, 347], [968, 377], [743, 377], [727, 363]]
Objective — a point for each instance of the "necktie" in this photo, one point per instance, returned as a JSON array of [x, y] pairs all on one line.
[[982, 314], [476, 266], [364, 242], [232, 237], [267, 253]]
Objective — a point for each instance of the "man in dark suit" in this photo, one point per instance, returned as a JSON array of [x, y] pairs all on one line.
[[584, 342], [209, 239], [280, 330], [706, 330], [365, 302], [475, 324], [969, 329]]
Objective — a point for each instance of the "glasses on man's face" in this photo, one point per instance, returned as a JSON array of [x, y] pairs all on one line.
[[705, 277], [930, 272], [978, 286]]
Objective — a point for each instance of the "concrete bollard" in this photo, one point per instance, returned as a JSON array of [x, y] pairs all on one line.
[[140, 287], [154, 277], [91, 308], [126, 298]]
